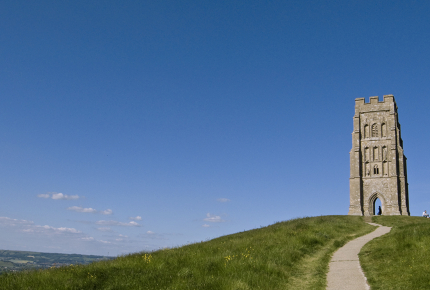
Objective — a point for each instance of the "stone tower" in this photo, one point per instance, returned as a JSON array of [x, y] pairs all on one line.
[[378, 165]]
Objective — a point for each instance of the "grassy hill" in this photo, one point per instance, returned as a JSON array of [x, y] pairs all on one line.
[[400, 259], [287, 255]]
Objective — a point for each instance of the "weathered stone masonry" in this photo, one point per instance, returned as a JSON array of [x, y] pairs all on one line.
[[378, 165]]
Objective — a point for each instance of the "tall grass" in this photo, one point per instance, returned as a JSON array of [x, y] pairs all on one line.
[[400, 259], [286, 255]]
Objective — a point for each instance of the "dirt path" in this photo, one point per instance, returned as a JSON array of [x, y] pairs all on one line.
[[344, 269]]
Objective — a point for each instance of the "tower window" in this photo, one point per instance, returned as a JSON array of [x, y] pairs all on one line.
[[374, 130], [376, 170], [384, 153], [375, 153], [383, 130], [366, 131]]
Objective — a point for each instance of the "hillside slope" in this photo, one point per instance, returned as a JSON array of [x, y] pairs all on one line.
[[286, 255], [400, 259]]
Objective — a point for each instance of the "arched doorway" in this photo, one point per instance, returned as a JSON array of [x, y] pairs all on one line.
[[376, 205], [376, 200]]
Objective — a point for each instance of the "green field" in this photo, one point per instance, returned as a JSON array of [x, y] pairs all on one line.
[[287, 255], [13, 261]]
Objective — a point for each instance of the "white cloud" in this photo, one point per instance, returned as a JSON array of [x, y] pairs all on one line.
[[48, 229], [89, 210], [69, 230], [106, 212], [138, 218], [104, 242], [29, 227], [121, 238], [205, 225], [223, 200], [104, 229], [58, 196], [115, 223], [150, 232], [64, 196], [213, 218], [88, 239], [14, 222], [82, 209]]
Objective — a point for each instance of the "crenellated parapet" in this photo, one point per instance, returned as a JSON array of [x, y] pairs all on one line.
[[375, 100]]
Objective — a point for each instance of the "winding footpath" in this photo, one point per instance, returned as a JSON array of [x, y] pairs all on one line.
[[345, 272]]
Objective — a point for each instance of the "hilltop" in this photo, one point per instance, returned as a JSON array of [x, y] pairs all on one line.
[[286, 255]]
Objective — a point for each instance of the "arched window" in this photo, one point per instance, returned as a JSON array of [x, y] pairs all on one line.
[[375, 130], [375, 153], [366, 131], [384, 153], [376, 170], [385, 168], [383, 130], [366, 154]]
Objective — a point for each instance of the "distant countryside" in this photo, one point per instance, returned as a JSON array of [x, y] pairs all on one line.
[[12, 261]]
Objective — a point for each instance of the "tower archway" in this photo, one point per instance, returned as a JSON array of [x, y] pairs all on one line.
[[373, 210]]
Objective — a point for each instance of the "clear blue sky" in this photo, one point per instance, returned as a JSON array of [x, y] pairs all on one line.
[[136, 125]]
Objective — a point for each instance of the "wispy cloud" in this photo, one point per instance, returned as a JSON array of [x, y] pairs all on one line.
[[138, 218], [106, 212], [150, 232], [14, 222], [88, 239], [58, 196], [213, 218], [82, 209], [121, 238], [116, 223], [205, 225], [89, 210], [223, 200], [47, 228], [30, 227], [104, 229]]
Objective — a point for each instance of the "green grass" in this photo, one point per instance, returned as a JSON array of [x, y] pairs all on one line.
[[287, 255], [401, 258]]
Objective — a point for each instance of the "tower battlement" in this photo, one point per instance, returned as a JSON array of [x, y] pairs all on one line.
[[374, 105], [375, 100]]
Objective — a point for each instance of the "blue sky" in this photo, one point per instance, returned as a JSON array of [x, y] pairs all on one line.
[[136, 125]]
